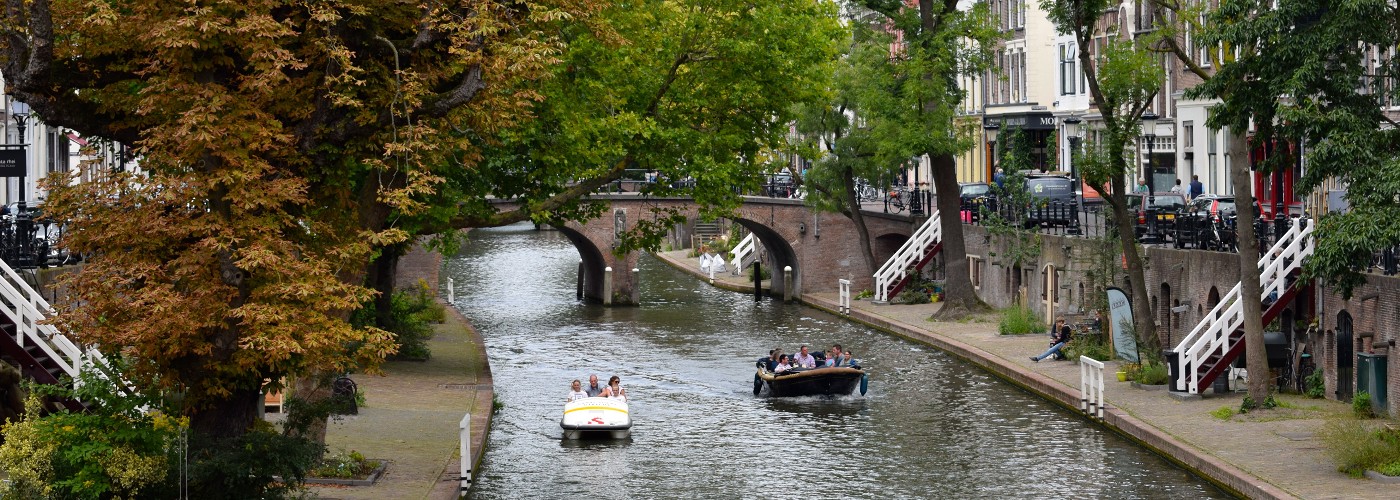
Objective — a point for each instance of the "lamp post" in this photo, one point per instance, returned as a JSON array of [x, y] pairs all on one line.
[[991, 129], [1074, 130], [1149, 135], [24, 225]]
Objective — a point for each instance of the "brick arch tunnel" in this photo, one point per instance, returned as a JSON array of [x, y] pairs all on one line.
[[592, 265], [780, 255]]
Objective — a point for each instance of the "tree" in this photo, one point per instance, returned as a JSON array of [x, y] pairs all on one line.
[[1299, 79], [915, 115], [1122, 82], [285, 144]]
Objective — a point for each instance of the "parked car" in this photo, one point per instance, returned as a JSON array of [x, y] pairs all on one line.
[[1054, 200], [969, 191], [1165, 204], [1212, 205]]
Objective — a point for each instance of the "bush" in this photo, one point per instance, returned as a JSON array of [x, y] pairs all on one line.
[[411, 316], [1019, 320], [1153, 372], [1361, 405], [343, 465], [1316, 386], [1086, 345], [911, 296], [1356, 446]]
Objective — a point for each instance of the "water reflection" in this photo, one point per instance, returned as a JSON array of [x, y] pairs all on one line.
[[931, 425]]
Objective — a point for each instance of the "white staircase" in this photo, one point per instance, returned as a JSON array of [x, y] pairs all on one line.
[[741, 253], [916, 252], [1216, 341], [43, 352]]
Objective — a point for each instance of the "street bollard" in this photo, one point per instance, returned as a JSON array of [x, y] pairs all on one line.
[[844, 300], [451, 295], [465, 428]]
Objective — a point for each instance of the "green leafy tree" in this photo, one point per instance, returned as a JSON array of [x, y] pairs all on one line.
[[914, 114], [1122, 80]]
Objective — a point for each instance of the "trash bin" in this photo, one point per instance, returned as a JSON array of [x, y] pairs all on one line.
[[1370, 377]]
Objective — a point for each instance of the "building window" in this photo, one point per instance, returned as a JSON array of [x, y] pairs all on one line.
[[975, 270], [1188, 137], [1024, 91], [1068, 76], [1229, 178], [58, 150], [1021, 13]]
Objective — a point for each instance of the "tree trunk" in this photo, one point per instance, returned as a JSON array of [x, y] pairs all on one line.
[[852, 200], [230, 417], [1255, 354], [1137, 282], [959, 298], [381, 278]]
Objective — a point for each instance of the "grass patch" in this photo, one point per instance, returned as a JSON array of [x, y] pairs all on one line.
[[1019, 320], [1223, 413], [1357, 445], [351, 465]]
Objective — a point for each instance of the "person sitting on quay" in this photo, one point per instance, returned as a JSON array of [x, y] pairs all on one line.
[[576, 391], [1058, 339], [614, 389], [805, 359], [782, 365], [593, 389]]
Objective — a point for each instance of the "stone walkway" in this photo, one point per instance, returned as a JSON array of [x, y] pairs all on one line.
[[1276, 456], [411, 417]]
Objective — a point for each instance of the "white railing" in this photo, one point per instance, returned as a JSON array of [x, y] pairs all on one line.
[[895, 269], [465, 441], [27, 309], [1091, 387], [742, 251], [1212, 335], [843, 300]]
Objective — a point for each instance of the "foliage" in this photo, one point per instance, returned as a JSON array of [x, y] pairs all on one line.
[[1087, 345], [1316, 385], [412, 314], [1249, 404], [1308, 50], [342, 465], [246, 466], [1017, 243], [1361, 405], [911, 296], [1133, 370], [1020, 320], [1356, 446], [1223, 412], [864, 294], [1153, 372]]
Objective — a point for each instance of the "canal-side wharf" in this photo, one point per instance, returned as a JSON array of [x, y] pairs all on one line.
[[1277, 455]]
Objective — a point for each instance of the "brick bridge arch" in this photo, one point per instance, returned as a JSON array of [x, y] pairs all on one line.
[[820, 247]]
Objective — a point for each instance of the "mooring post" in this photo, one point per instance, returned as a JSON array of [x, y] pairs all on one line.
[[607, 285], [465, 428], [578, 286], [451, 295], [787, 283], [757, 282]]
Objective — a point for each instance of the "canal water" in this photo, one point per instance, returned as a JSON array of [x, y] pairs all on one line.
[[931, 426]]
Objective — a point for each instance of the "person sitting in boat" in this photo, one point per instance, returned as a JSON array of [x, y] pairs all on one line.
[[593, 389], [782, 365], [614, 389], [772, 360], [829, 360], [805, 359], [576, 391]]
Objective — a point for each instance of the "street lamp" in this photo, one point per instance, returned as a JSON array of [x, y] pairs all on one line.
[[1074, 132], [1149, 136], [24, 226], [990, 129]]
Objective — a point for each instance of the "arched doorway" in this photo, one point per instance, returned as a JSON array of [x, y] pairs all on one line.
[[1212, 300], [1164, 313], [1049, 291], [1344, 356]]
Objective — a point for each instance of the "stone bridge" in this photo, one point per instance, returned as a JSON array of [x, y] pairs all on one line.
[[820, 247]]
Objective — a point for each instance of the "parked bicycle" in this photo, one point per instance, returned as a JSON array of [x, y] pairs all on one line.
[[899, 199]]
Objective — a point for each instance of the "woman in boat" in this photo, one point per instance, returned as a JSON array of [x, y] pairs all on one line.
[[576, 391], [614, 389]]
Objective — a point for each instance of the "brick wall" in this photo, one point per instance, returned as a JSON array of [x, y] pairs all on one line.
[[418, 264]]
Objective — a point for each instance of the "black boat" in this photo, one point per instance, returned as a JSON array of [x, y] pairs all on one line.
[[826, 381]]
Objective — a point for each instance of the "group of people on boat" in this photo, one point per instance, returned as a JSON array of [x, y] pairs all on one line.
[[778, 362], [613, 390]]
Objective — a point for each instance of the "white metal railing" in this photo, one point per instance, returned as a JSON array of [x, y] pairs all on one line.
[[742, 251], [1091, 387], [28, 310], [843, 300], [895, 269], [1212, 335], [465, 441]]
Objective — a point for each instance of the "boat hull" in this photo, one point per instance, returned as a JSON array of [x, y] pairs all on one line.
[[596, 418], [835, 381]]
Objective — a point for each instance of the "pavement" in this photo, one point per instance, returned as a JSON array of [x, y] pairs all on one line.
[[1267, 454], [411, 418]]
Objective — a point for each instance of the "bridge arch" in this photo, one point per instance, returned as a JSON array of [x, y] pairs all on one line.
[[591, 265], [780, 254]]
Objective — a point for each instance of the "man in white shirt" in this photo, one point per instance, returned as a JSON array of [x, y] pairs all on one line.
[[804, 359]]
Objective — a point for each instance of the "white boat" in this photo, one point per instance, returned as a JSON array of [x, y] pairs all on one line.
[[596, 418]]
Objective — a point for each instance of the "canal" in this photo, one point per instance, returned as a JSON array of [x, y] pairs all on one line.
[[932, 426]]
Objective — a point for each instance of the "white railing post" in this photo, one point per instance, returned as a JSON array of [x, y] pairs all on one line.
[[844, 299], [894, 270], [451, 294], [741, 252], [1091, 387], [465, 429]]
